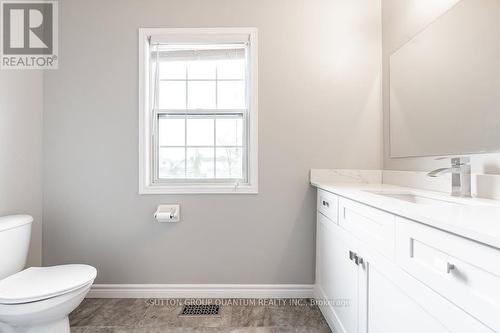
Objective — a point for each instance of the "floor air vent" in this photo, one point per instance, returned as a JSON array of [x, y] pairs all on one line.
[[200, 310]]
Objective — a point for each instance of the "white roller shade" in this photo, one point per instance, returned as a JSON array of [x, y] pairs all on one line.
[[203, 39], [164, 52]]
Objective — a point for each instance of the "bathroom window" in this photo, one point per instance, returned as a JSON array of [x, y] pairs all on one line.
[[198, 110]]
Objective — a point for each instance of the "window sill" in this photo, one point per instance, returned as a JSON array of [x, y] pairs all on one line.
[[198, 189]]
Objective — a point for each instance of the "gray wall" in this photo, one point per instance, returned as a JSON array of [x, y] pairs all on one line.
[[319, 106], [21, 94], [401, 20]]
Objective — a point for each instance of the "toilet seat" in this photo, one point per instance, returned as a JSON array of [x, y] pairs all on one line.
[[39, 283]]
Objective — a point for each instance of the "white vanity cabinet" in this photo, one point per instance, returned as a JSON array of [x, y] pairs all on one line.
[[373, 277]]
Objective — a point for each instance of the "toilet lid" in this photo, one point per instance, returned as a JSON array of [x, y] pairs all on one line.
[[38, 283]]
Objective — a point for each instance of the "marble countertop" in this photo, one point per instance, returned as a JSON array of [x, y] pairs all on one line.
[[473, 218]]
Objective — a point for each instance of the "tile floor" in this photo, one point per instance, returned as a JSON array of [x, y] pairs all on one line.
[[161, 316]]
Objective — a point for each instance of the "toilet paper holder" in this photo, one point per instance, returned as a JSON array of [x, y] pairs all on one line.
[[167, 213]]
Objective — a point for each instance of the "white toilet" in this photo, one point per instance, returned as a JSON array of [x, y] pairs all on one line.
[[37, 299]]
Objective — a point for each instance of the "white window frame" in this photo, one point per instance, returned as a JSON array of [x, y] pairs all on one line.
[[147, 184]]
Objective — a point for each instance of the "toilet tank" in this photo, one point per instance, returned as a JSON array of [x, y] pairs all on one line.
[[15, 231]]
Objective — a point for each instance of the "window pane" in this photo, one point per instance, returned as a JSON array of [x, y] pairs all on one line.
[[171, 131], [231, 69], [171, 163], [201, 95], [201, 69], [231, 95], [172, 95], [229, 163], [200, 163], [229, 131], [200, 132], [173, 70]]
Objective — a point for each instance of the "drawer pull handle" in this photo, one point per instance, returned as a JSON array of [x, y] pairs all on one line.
[[449, 268], [352, 255], [326, 203]]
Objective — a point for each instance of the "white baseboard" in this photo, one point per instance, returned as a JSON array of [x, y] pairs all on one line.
[[201, 291]]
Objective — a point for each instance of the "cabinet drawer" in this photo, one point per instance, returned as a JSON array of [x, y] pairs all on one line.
[[328, 205], [463, 271], [373, 226], [399, 303]]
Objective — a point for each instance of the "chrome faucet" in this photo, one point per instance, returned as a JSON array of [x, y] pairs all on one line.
[[460, 176]]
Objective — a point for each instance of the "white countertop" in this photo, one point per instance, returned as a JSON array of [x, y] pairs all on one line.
[[473, 218]]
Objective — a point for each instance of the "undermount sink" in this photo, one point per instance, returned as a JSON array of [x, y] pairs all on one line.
[[416, 199]]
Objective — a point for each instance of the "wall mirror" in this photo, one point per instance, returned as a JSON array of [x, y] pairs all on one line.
[[445, 85]]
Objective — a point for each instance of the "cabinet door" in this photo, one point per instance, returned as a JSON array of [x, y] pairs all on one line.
[[320, 241], [338, 276]]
